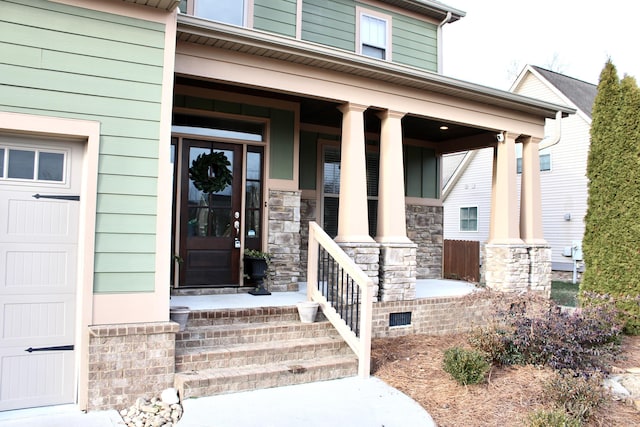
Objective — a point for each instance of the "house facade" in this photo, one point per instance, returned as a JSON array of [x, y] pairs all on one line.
[[467, 194], [326, 111]]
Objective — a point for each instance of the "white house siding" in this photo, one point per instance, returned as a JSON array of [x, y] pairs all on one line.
[[472, 189], [564, 187]]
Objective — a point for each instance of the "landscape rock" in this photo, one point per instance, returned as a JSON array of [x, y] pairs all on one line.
[[155, 412]]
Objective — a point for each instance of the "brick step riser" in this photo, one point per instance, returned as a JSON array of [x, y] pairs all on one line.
[[217, 360], [231, 384], [205, 339], [208, 318]]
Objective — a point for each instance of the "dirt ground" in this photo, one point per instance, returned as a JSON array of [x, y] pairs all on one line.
[[413, 365]]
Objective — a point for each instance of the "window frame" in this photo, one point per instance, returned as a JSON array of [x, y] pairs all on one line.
[[7, 144], [247, 12], [460, 228], [360, 12], [544, 153]]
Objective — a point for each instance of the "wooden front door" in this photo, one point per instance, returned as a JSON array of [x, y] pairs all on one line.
[[210, 222]]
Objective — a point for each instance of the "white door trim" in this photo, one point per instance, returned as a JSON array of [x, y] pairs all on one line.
[[87, 132]]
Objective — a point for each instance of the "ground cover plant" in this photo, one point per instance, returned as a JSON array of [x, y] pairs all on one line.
[[522, 387]]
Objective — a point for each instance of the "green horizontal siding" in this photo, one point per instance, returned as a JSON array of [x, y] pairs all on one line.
[[138, 185], [126, 223], [275, 16], [65, 61], [414, 43], [329, 22], [122, 282], [131, 243]]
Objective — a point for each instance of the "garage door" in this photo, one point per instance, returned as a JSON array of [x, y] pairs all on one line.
[[39, 207]]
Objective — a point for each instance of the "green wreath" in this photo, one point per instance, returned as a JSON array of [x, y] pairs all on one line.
[[210, 172]]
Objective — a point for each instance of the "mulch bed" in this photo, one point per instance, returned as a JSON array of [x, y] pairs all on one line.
[[413, 365]]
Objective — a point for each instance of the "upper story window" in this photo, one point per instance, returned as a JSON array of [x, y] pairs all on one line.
[[227, 11], [374, 34]]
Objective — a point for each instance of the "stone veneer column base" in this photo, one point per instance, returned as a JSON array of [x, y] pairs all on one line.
[[518, 268], [128, 361], [284, 240], [397, 271], [424, 228], [367, 257]]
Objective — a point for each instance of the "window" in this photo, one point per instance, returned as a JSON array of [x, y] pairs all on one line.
[[469, 219], [545, 158], [227, 11], [374, 35], [331, 190], [32, 164]]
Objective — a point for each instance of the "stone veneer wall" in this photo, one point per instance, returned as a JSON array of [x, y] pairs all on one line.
[[424, 228], [518, 268], [432, 316], [129, 361], [284, 240], [367, 257], [397, 275], [308, 212]]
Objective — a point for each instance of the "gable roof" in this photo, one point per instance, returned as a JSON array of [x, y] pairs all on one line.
[[581, 93]]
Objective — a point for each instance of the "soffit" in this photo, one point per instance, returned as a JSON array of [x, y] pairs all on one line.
[[168, 5], [252, 42]]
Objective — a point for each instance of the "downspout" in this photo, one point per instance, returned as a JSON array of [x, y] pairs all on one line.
[[555, 138], [439, 36]]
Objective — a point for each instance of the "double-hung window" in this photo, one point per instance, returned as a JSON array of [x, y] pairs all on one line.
[[469, 219], [545, 158], [374, 35]]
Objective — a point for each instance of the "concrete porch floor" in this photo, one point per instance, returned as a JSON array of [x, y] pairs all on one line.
[[425, 288]]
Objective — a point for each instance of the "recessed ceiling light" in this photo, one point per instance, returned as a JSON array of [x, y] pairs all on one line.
[[444, 127]]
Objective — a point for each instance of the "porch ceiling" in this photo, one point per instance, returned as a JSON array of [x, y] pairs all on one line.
[[252, 42]]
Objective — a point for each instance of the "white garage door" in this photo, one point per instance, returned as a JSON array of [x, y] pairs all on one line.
[[39, 192]]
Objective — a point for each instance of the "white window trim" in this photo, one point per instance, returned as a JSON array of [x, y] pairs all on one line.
[[8, 143], [477, 219], [387, 18]]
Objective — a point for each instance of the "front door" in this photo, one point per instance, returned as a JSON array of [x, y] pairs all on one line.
[[39, 214], [210, 221]]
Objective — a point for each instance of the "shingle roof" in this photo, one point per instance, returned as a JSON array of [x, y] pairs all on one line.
[[581, 93]]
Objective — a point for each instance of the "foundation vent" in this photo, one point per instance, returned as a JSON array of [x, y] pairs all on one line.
[[400, 319]]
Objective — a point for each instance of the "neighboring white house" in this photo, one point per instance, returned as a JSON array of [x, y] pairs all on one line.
[[467, 180]]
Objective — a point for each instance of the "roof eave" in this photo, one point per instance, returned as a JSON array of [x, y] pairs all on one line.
[[432, 9], [292, 50], [168, 5]]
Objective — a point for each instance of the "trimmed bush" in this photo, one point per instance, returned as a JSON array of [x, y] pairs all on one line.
[[466, 366]]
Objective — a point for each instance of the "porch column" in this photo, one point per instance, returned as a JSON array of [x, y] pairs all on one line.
[[504, 226], [353, 223], [530, 194], [397, 252], [392, 223]]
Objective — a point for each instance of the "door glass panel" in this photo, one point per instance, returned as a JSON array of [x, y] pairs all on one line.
[[50, 166], [1, 162], [209, 213], [21, 164], [253, 196]]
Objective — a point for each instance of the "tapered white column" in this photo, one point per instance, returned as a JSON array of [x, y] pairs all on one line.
[[531, 230], [505, 225], [353, 218], [392, 223]]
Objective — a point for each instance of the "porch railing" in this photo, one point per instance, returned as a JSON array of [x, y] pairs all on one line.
[[344, 292]]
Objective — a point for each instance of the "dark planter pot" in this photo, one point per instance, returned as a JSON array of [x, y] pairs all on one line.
[[256, 268]]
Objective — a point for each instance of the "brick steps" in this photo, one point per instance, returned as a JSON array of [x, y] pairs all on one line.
[[224, 351]]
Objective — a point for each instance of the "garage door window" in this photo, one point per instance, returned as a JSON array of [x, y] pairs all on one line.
[[33, 165]]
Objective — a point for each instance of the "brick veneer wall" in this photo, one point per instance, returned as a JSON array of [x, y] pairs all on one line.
[[424, 228], [432, 316], [129, 361]]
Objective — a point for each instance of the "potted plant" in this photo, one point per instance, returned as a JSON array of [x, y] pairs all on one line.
[[256, 264]]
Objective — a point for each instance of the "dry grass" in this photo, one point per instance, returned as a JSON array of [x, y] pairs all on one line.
[[413, 365]]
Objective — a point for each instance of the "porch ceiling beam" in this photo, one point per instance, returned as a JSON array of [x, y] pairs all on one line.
[[467, 143], [198, 31]]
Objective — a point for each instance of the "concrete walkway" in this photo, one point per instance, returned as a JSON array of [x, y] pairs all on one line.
[[344, 402]]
